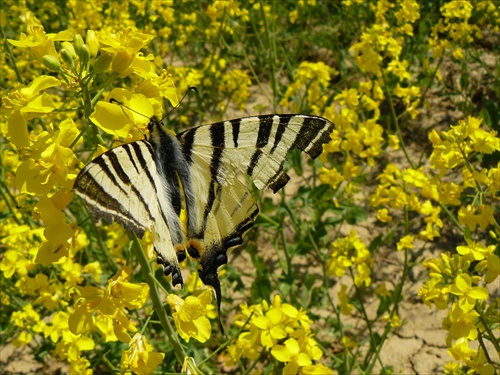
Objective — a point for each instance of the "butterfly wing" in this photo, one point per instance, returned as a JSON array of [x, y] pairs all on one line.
[[223, 209], [124, 185]]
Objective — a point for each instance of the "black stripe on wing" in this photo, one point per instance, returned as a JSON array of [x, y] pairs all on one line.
[[315, 131], [112, 156], [218, 141], [101, 162], [103, 205]]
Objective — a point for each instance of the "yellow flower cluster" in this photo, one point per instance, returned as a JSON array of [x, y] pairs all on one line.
[[350, 253], [265, 326]]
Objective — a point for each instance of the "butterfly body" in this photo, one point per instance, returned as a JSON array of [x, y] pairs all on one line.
[[144, 185]]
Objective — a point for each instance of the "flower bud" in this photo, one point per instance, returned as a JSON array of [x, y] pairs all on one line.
[[84, 54], [51, 62], [70, 49], [92, 42], [66, 56], [78, 43], [102, 62], [121, 62]]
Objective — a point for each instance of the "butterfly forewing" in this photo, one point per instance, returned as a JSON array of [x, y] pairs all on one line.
[[258, 145]]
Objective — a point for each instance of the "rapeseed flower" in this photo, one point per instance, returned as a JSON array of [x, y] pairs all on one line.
[[350, 252], [191, 315], [39, 42], [461, 324], [270, 325], [120, 120], [25, 103], [140, 356], [292, 355], [468, 294], [124, 47]]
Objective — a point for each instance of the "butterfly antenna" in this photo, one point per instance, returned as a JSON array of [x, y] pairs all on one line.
[[113, 100], [180, 101]]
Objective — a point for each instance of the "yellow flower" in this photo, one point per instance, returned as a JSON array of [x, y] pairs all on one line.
[[461, 351], [330, 176], [406, 242], [126, 294], [58, 232], [399, 68], [272, 327], [468, 294], [317, 369], [29, 320], [124, 47], [384, 216], [292, 354], [475, 250], [140, 357], [51, 163], [14, 262], [299, 316], [493, 269], [70, 346], [24, 104], [190, 315], [59, 324], [157, 86], [81, 366], [121, 121], [460, 323], [119, 294], [39, 42], [467, 215], [235, 84], [348, 97], [247, 346], [350, 252]]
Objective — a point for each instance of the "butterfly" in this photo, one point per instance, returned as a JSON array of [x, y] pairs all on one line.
[[147, 184]]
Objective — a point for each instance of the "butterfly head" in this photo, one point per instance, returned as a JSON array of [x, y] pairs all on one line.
[[153, 124]]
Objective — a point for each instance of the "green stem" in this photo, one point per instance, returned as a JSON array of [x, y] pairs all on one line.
[[173, 339], [247, 371], [374, 349], [422, 97], [452, 217], [487, 328]]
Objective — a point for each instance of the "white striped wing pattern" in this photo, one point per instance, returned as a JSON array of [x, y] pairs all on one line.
[[144, 185]]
